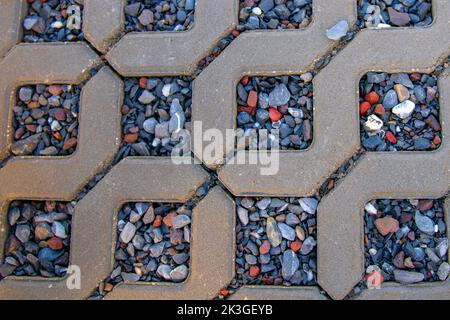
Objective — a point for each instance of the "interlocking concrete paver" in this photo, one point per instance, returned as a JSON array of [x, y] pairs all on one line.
[[19, 67], [335, 112], [274, 52], [10, 17], [133, 179], [277, 293], [403, 175], [98, 140], [61, 178], [175, 53], [103, 22], [212, 255]]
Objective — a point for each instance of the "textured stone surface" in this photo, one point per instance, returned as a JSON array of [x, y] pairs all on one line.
[[175, 52], [10, 16], [103, 22]]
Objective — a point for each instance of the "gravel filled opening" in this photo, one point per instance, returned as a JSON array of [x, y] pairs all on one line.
[[278, 14], [159, 15], [406, 241], [276, 241], [281, 105], [399, 112], [153, 243], [53, 20], [394, 13], [45, 120], [156, 116], [38, 240]]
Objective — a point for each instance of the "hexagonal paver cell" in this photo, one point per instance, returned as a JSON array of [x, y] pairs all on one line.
[[50, 21], [38, 242], [270, 14], [45, 120], [396, 13], [159, 15], [283, 106], [153, 243], [156, 116], [276, 241], [400, 112], [405, 241]]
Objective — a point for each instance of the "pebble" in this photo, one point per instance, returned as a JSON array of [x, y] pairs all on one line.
[[181, 221], [308, 246], [179, 274], [23, 232], [373, 124], [290, 264], [424, 223], [408, 277], [370, 209], [286, 232], [279, 96], [404, 109], [273, 232], [338, 31], [309, 205], [387, 225], [128, 233], [443, 271], [243, 216]]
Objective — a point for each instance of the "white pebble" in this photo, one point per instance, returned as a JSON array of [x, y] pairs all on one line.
[[370, 208]]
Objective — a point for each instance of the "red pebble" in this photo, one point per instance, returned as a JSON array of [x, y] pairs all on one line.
[[245, 80], [265, 247], [379, 109], [437, 140], [296, 246], [254, 271], [372, 97], [391, 138], [143, 83], [235, 33], [70, 143], [252, 100], [274, 114], [251, 111], [125, 109], [130, 138], [60, 115], [31, 128], [55, 243], [55, 90], [158, 221], [364, 108], [50, 206]]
